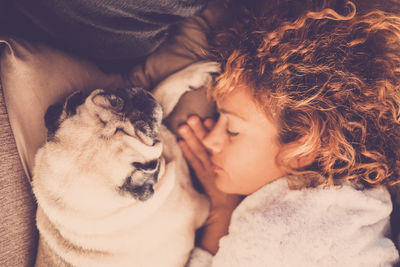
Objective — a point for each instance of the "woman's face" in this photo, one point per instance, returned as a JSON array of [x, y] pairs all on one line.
[[243, 146]]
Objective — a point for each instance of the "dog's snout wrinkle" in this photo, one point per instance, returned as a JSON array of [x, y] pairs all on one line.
[[146, 132], [147, 166]]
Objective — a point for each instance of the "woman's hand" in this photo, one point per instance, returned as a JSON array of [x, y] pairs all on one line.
[[222, 204], [193, 132]]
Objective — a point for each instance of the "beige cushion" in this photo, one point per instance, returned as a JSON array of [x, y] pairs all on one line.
[[35, 76]]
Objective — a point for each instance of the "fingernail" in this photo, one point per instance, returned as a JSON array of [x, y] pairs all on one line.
[[193, 119], [183, 129]]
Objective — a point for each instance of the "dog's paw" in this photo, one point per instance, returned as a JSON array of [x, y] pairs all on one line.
[[199, 74], [193, 77]]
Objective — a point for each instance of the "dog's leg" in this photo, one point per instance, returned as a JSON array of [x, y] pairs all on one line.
[[169, 91]]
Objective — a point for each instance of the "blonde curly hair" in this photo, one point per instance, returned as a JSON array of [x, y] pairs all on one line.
[[330, 77]]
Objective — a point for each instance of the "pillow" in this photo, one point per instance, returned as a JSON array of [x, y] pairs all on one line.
[[34, 76]]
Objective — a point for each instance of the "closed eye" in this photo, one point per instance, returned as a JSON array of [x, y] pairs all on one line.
[[120, 130], [232, 133], [116, 102]]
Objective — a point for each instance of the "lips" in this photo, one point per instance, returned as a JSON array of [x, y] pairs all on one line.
[[215, 167]]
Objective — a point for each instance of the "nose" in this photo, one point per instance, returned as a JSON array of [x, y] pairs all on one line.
[[216, 138]]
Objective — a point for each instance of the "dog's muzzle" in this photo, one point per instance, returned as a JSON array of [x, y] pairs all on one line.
[[140, 183]]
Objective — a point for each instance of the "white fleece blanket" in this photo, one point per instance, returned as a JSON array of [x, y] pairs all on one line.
[[276, 226]]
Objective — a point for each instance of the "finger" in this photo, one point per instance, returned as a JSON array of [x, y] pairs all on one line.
[[197, 126], [190, 157], [201, 173], [209, 124], [194, 144]]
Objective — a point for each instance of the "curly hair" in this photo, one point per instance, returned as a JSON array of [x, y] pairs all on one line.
[[329, 74]]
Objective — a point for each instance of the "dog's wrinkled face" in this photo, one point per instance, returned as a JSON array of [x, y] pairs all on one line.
[[114, 134]]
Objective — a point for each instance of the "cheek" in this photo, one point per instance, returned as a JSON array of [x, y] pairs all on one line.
[[264, 168], [247, 172]]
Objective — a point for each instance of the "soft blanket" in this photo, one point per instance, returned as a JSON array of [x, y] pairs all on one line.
[[334, 227]]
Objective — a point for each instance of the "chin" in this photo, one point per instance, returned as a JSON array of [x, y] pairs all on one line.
[[224, 185]]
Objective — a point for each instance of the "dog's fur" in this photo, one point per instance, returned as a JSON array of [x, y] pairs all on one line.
[[111, 183]]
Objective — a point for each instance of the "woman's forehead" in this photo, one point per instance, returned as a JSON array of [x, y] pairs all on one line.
[[240, 104]]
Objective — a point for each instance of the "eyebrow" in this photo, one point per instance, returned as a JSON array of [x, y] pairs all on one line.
[[224, 111]]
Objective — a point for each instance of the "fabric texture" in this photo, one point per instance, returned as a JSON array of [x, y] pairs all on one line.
[[97, 29], [18, 236], [200, 258], [339, 227]]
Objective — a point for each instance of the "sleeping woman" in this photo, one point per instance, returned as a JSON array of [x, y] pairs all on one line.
[[298, 165]]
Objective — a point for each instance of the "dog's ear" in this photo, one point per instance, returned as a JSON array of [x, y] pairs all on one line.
[[73, 102], [52, 119]]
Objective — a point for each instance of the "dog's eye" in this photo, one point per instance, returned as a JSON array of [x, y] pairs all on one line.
[[116, 102]]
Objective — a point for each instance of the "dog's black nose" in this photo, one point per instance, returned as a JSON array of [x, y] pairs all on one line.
[[145, 172]]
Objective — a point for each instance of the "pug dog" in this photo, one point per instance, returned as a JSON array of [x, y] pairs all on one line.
[[112, 186]]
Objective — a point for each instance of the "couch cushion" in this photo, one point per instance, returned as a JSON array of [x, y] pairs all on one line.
[[18, 236], [121, 30]]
